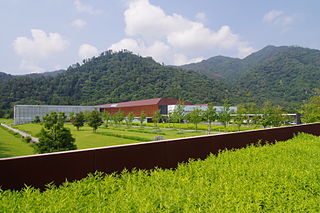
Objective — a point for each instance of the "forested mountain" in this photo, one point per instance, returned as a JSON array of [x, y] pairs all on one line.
[[112, 77], [230, 69], [219, 67], [4, 76], [288, 77], [283, 75]]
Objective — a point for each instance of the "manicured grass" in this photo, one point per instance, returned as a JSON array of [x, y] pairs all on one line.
[[6, 121], [275, 178], [149, 133], [11, 146], [203, 127], [85, 138]]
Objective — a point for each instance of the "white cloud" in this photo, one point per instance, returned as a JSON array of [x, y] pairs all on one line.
[[272, 15], [87, 51], [31, 66], [40, 46], [180, 59], [277, 17], [80, 7], [79, 23], [201, 17], [158, 50], [174, 39]]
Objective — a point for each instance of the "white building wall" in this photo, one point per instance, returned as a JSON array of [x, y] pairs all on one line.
[[189, 108], [27, 113]]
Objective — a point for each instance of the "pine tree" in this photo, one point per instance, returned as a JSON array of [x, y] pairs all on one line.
[[54, 136]]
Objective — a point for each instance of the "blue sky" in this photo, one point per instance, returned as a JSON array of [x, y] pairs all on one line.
[[45, 35]]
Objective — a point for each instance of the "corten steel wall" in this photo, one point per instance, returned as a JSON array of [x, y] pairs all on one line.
[[39, 170], [148, 110]]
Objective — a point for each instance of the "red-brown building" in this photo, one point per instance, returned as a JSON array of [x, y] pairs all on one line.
[[148, 106]]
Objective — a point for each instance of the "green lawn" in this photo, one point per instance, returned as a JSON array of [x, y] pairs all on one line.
[[113, 135], [6, 121], [85, 138], [275, 178], [11, 146]]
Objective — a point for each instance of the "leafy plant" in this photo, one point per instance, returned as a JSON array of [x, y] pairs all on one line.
[[142, 118], [78, 120], [54, 136], [94, 120]]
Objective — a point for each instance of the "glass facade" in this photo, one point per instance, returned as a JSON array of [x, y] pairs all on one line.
[[27, 113]]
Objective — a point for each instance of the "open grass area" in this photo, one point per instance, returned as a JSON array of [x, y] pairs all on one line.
[[113, 135], [284, 177], [11, 146], [6, 121], [203, 127]]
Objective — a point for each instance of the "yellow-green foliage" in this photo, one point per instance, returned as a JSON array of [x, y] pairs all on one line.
[[283, 177]]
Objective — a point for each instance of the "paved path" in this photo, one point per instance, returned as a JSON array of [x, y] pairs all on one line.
[[23, 134]]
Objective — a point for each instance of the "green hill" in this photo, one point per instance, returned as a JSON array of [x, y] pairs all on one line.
[[4, 76], [112, 77], [283, 75], [230, 69], [288, 77]]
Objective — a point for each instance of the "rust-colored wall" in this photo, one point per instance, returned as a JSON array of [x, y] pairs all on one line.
[[148, 110], [39, 170]]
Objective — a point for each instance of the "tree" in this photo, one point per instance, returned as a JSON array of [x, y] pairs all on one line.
[[276, 117], [240, 117], [95, 120], [271, 116], [224, 116], [156, 117], [119, 117], [195, 117], [210, 115], [142, 118], [78, 120], [54, 136], [36, 119], [106, 116], [130, 118], [311, 110], [178, 114], [72, 116]]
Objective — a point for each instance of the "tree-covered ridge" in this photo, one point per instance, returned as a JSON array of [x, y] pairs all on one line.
[[283, 75], [289, 77], [112, 77], [4, 76], [219, 67], [230, 69]]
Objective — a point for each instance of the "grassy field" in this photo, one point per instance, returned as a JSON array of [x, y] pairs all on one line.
[[203, 127], [254, 179], [6, 121], [12, 146], [113, 135]]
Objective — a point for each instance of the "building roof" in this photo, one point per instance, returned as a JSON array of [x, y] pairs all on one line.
[[153, 101]]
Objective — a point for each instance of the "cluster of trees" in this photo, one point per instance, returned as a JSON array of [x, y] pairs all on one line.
[[55, 137], [265, 116]]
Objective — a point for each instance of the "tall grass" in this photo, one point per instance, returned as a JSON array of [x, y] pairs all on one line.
[[283, 177]]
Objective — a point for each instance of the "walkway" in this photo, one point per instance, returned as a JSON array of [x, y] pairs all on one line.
[[23, 134]]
